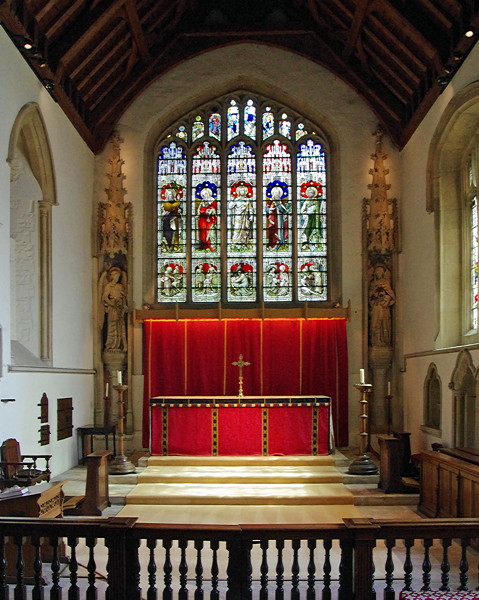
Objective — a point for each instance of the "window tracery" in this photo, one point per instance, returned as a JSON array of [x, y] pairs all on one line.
[[242, 207]]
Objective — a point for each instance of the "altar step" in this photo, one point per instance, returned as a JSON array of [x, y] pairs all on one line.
[[283, 460], [244, 493], [251, 474], [278, 480]]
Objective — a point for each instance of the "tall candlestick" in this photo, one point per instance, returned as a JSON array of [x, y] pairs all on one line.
[[361, 376], [120, 463], [363, 465], [120, 378], [106, 390]]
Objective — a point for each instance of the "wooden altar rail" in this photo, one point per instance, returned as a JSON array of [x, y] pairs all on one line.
[[360, 559]]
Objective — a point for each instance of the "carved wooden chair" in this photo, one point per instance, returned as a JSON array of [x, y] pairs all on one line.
[[21, 469]]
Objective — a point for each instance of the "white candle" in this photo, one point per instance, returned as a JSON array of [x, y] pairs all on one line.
[[389, 388], [361, 376], [120, 380], [106, 390]]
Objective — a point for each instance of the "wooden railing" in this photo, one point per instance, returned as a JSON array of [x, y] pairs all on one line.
[[117, 559]]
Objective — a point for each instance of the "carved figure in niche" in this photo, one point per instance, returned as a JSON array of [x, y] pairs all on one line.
[[115, 306], [381, 298]]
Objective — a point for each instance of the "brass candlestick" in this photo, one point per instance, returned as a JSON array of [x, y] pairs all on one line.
[[363, 465], [120, 465]]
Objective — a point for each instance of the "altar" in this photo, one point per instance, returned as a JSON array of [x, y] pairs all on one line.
[[232, 426]]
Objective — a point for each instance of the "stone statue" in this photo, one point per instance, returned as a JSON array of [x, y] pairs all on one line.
[[381, 297], [115, 306]]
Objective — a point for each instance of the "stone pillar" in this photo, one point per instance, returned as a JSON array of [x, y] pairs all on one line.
[[114, 247], [380, 249]]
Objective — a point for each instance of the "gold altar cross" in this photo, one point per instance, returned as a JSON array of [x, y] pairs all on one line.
[[240, 363]]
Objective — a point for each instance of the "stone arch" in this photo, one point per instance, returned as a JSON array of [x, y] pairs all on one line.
[[432, 401], [32, 195], [465, 418], [260, 89], [459, 122]]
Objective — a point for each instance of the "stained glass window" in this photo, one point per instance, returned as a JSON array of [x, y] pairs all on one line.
[[250, 119], [474, 264], [198, 129], [242, 207]]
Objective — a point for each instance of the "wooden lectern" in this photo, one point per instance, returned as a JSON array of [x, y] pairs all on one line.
[[44, 500]]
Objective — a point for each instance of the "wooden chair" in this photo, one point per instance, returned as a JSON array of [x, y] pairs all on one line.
[[21, 469]]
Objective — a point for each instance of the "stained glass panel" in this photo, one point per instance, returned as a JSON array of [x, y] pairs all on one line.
[[250, 120], [215, 125], [300, 131], [198, 129], [233, 120], [268, 123], [277, 198], [312, 278], [182, 133], [172, 281], [285, 126], [241, 280], [206, 280], [474, 264], [205, 222], [241, 200], [278, 280], [311, 199], [171, 225]]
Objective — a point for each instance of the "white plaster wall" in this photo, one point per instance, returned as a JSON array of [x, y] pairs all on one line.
[[418, 272], [304, 86], [72, 290]]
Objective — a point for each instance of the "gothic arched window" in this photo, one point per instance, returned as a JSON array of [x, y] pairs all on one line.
[[471, 175], [242, 206]]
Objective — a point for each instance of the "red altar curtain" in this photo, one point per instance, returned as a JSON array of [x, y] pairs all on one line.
[[287, 356]]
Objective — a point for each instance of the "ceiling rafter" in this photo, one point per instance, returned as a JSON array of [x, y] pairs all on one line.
[[65, 15], [400, 24], [137, 30], [100, 67], [86, 30], [359, 15], [101, 54], [377, 46]]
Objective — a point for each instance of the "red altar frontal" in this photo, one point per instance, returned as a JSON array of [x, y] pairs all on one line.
[[229, 426]]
